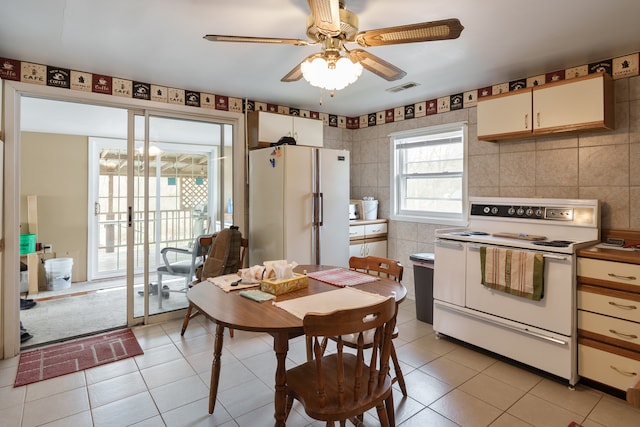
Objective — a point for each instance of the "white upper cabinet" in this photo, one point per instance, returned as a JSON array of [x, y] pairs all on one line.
[[507, 114], [576, 105], [265, 128]]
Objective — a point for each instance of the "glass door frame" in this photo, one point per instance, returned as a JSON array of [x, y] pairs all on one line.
[[215, 175], [12, 93]]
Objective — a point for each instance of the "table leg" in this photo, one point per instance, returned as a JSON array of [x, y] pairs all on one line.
[[281, 346], [215, 367]]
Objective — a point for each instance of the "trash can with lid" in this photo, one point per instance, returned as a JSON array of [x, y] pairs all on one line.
[[423, 264]]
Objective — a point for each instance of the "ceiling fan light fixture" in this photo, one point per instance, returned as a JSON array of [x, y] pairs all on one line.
[[331, 75]]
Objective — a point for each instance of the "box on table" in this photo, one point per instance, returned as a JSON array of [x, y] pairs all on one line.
[[279, 287]]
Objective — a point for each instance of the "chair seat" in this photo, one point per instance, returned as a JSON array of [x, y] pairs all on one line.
[[368, 337], [302, 382], [182, 267]]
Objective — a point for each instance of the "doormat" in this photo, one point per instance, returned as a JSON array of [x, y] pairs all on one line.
[[77, 355]]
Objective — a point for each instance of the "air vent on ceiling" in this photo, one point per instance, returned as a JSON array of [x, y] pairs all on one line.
[[402, 87]]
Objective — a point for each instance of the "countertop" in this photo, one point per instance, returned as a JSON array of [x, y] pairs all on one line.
[[629, 257], [367, 221]]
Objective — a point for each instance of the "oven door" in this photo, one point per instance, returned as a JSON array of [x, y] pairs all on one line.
[[554, 312]]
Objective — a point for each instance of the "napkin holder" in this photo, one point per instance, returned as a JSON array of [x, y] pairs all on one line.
[[279, 287]]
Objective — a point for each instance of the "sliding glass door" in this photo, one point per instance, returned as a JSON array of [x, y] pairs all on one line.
[[181, 190]]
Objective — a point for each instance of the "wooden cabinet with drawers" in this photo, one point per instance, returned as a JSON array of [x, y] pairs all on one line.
[[368, 238], [609, 316]]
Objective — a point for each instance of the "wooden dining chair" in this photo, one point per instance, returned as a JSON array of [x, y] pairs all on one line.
[[343, 385], [205, 243], [391, 269]]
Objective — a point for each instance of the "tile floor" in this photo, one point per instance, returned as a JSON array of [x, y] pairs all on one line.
[[448, 384]]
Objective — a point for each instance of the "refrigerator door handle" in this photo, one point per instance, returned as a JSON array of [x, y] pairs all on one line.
[[321, 215]]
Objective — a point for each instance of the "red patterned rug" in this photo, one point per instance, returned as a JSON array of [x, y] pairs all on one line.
[[73, 356]]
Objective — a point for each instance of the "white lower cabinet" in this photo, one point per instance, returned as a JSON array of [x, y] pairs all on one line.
[[368, 239]]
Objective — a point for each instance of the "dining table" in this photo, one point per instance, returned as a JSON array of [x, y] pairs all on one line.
[[228, 309]]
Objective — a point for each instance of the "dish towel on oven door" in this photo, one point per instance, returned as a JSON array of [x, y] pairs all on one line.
[[515, 272]]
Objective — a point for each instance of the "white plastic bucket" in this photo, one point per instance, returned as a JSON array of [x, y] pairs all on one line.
[[370, 208], [58, 273]]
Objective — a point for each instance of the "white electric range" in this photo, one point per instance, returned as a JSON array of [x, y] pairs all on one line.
[[541, 333]]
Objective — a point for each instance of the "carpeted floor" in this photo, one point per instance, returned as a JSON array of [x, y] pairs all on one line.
[[58, 317], [76, 355]]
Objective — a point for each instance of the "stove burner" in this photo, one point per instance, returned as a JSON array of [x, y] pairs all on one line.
[[554, 243]]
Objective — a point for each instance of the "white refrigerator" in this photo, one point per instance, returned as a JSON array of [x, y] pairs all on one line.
[[299, 205]]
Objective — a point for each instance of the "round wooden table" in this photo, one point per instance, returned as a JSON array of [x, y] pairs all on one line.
[[230, 310]]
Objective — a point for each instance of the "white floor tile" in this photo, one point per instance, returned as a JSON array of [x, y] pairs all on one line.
[[55, 407], [169, 385], [131, 410]]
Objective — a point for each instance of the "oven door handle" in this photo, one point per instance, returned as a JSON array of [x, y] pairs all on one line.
[[448, 244], [550, 256]]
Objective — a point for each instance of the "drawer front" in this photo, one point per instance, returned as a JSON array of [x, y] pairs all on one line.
[[610, 306], [609, 327], [356, 232], [607, 368], [375, 229], [618, 272]]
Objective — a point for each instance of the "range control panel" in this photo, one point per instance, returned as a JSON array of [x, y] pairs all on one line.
[[520, 211]]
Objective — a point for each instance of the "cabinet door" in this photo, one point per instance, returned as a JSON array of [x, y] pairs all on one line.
[[357, 248], [308, 132], [377, 248], [504, 116], [272, 127], [572, 105], [449, 272]]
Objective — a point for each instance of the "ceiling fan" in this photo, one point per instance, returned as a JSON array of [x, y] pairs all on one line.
[[332, 26]]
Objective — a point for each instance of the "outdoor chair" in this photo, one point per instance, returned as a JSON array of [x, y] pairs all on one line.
[[184, 268]]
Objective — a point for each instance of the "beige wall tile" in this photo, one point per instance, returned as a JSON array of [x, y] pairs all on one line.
[[484, 171], [604, 165], [634, 208], [517, 169], [514, 191], [618, 136], [556, 192], [634, 164], [634, 121], [557, 142], [557, 168], [614, 205], [634, 88]]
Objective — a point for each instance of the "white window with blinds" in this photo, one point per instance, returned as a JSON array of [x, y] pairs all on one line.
[[428, 174]]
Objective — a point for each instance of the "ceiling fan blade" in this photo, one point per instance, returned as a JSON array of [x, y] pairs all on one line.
[[219, 38], [296, 73], [326, 16], [423, 32], [377, 65]]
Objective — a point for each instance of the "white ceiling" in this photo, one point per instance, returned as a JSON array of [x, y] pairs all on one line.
[[160, 42]]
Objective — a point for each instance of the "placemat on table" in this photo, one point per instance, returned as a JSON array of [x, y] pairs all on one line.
[[224, 282], [342, 277], [326, 302]]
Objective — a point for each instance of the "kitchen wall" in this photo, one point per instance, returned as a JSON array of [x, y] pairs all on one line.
[[604, 166]]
